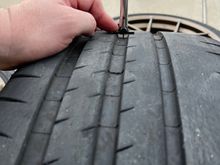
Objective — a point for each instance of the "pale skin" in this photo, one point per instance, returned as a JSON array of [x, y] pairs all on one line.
[[33, 30]]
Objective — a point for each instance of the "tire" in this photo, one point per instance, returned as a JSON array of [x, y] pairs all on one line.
[[146, 100]]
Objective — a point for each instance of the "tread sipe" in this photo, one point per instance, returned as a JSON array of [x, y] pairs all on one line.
[[146, 100]]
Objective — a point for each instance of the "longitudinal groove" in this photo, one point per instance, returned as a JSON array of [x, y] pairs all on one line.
[[95, 149], [174, 139], [110, 108], [41, 132]]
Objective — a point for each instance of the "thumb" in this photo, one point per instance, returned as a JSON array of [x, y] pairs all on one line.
[[83, 23]]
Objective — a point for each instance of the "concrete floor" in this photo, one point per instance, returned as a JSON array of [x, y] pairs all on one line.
[[206, 11]]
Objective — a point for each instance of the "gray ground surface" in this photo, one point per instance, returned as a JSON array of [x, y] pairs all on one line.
[[200, 10]]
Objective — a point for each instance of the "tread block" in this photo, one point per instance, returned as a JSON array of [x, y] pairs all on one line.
[[46, 117], [40, 68], [71, 149], [17, 129], [110, 111], [118, 51], [117, 64], [102, 42], [113, 87], [198, 94], [25, 89], [118, 48]]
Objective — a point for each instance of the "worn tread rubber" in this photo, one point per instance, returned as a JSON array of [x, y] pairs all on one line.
[[146, 99]]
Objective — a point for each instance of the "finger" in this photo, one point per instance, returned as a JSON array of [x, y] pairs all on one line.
[[95, 7], [83, 23], [104, 21]]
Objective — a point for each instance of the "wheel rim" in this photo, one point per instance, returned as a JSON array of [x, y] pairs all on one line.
[[156, 22], [2, 84]]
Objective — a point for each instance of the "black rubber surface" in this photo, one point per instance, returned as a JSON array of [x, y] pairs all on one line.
[[145, 100]]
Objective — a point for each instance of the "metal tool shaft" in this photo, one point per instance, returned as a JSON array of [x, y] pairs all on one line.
[[123, 24]]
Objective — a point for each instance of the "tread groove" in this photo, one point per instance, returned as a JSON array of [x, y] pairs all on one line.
[[95, 95], [128, 82], [218, 54], [116, 73], [88, 128], [177, 126], [24, 76], [52, 161], [72, 89], [209, 43], [80, 67], [111, 95], [60, 121], [5, 135], [126, 110], [124, 148], [9, 99], [171, 113], [129, 61], [96, 127]]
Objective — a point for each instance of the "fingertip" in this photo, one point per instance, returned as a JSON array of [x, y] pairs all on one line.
[[107, 23], [115, 26]]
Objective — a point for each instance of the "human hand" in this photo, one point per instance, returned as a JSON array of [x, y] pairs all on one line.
[[44, 27]]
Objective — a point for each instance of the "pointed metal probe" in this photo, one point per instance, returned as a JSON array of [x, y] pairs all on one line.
[[123, 23]]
